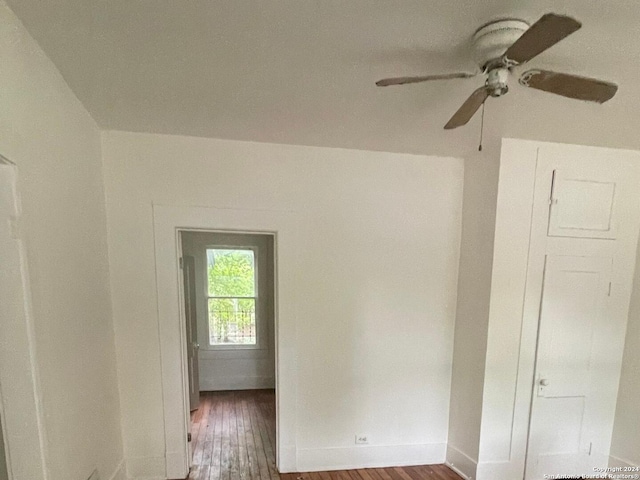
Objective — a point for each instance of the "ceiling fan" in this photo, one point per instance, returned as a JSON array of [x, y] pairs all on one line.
[[500, 46]]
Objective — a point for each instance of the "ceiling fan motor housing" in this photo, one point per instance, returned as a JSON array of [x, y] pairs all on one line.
[[492, 40], [497, 81]]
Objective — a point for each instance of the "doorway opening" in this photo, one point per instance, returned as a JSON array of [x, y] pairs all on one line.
[[228, 285]]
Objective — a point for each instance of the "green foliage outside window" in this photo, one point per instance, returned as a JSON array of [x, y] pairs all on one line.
[[231, 279]]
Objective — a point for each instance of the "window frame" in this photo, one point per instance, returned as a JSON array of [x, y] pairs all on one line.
[[258, 309]]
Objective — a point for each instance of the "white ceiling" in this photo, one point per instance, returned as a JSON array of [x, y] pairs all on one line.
[[303, 71]]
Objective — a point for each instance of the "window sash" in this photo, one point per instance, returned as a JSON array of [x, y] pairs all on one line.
[[231, 330], [254, 266]]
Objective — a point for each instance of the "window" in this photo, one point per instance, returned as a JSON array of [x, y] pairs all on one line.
[[231, 284]]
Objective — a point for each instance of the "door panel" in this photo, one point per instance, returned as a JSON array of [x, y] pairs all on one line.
[[189, 277], [583, 206], [563, 424]]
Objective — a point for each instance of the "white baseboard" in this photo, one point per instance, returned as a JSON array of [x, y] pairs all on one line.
[[461, 463], [369, 456], [287, 459], [499, 471], [146, 468], [236, 383], [120, 473], [620, 462]]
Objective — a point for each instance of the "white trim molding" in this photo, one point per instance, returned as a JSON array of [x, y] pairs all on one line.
[[236, 382], [461, 463], [168, 221], [370, 456], [146, 468], [21, 402], [616, 462]]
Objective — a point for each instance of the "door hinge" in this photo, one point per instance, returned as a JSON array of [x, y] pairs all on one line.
[[609, 292], [590, 447], [181, 263], [188, 437]]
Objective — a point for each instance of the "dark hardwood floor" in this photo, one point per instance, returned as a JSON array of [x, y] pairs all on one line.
[[234, 439]]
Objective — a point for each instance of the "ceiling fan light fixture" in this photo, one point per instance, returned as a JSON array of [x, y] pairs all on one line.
[[497, 81]]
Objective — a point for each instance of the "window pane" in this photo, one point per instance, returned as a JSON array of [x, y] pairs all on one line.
[[231, 273], [232, 321]]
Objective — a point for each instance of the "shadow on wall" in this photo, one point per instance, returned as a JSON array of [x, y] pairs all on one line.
[[3, 459]]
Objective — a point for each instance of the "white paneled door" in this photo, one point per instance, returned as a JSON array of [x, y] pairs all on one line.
[[189, 279], [584, 233], [566, 420]]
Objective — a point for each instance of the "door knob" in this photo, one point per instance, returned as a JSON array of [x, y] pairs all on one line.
[[544, 382]]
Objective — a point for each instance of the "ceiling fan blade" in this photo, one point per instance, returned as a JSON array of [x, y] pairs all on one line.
[[404, 80], [545, 33], [468, 108], [571, 86]]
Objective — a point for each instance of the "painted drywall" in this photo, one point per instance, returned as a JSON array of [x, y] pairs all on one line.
[[55, 144], [474, 286], [625, 447], [379, 240], [242, 368]]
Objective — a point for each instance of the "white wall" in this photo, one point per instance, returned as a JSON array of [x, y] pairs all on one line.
[[242, 368], [56, 145], [625, 448], [474, 287], [379, 237]]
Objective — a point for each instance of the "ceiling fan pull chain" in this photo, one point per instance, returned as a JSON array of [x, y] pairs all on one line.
[[481, 128]]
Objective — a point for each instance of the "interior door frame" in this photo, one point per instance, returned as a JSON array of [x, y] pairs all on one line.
[[21, 404], [168, 222]]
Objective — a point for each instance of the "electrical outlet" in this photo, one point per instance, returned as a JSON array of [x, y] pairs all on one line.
[[94, 475], [362, 439]]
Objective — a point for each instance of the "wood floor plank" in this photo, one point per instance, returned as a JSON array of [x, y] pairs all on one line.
[[244, 472], [254, 468], [418, 473], [216, 448], [355, 475], [324, 475], [234, 438], [225, 459], [402, 473], [440, 472], [364, 474], [373, 472], [261, 415], [391, 472], [263, 464]]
